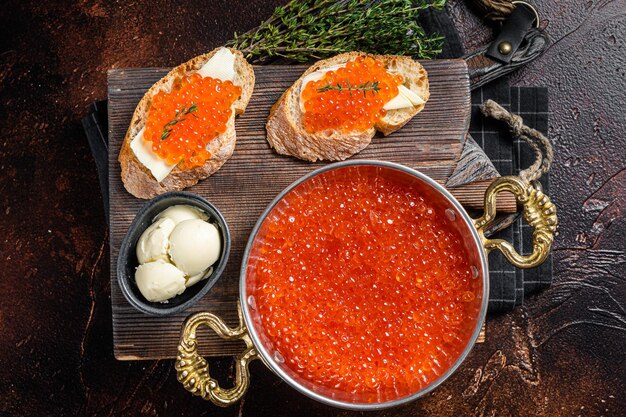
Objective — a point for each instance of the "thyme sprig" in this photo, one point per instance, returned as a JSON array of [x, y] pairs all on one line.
[[364, 87], [305, 30], [178, 117]]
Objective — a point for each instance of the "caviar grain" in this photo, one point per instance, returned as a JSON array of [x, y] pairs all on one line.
[[348, 108], [181, 123], [362, 286]]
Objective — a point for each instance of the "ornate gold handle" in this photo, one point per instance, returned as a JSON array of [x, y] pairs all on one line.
[[539, 212], [193, 370]]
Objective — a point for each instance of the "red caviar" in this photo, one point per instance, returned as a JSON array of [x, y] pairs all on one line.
[[362, 286], [182, 122], [350, 98]]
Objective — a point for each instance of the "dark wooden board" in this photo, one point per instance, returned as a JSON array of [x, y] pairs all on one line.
[[431, 142]]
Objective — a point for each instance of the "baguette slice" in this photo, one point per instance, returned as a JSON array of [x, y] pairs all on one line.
[[137, 179], [286, 134]]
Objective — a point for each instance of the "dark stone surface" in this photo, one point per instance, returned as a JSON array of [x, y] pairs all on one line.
[[561, 354]]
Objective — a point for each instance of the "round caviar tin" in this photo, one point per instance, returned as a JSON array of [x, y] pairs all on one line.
[[192, 369]]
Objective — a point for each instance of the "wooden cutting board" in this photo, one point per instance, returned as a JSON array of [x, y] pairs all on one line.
[[432, 143]]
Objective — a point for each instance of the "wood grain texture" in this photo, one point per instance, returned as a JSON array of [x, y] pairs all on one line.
[[474, 165], [432, 142]]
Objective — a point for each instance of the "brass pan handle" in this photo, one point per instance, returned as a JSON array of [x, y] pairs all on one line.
[[192, 370], [539, 212]]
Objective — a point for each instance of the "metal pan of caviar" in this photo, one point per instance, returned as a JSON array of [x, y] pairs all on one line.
[[364, 285]]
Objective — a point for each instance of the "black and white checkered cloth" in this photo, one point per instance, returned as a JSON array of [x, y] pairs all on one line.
[[509, 285]]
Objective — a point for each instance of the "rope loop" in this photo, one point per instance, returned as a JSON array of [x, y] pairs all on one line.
[[539, 143], [495, 10]]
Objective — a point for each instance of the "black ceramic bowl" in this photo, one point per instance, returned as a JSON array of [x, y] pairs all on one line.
[[127, 258]]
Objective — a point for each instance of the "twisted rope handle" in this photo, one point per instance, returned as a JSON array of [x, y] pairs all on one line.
[[495, 10], [540, 144]]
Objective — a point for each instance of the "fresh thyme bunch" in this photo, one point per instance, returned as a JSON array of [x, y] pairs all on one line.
[[305, 30]]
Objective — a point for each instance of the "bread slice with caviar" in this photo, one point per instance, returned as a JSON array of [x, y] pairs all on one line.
[[145, 173], [288, 133]]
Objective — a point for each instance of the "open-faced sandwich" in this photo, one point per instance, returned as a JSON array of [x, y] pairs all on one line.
[[183, 129], [334, 109]]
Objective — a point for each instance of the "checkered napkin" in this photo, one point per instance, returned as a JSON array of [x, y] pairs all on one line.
[[509, 285]]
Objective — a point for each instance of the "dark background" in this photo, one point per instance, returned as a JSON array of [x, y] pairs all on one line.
[[562, 353]]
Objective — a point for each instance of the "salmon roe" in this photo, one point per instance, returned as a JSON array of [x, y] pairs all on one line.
[[182, 122], [350, 98], [362, 287]]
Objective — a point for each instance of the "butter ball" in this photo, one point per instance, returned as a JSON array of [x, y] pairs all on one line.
[[180, 213], [195, 245], [154, 241], [159, 281]]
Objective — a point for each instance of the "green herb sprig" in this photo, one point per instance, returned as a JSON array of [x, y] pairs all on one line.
[[365, 87], [178, 117], [305, 30]]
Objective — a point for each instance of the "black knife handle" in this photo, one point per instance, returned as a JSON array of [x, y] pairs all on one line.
[[483, 70], [96, 129]]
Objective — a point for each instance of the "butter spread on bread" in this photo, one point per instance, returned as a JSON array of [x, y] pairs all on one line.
[[143, 151], [334, 138], [221, 66], [147, 168]]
